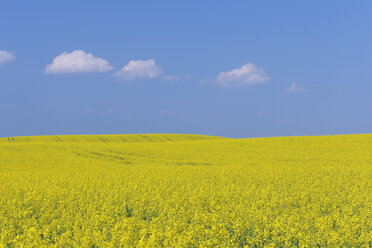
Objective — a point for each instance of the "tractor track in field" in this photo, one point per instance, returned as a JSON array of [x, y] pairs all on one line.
[[57, 139], [103, 139], [102, 156]]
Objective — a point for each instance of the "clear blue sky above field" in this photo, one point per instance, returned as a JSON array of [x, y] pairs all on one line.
[[227, 68]]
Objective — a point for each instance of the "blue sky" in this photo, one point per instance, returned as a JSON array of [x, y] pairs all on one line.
[[226, 68]]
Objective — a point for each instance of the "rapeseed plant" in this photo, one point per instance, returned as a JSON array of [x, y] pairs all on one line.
[[185, 191]]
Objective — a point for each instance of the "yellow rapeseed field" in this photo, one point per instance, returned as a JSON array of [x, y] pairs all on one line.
[[185, 191]]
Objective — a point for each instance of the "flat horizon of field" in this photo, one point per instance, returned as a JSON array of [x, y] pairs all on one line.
[[146, 137]]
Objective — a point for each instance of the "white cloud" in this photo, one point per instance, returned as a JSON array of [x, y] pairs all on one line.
[[294, 88], [246, 75], [77, 61], [6, 57], [138, 69]]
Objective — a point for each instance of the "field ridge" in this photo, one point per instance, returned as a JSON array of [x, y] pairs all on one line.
[[117, 138]]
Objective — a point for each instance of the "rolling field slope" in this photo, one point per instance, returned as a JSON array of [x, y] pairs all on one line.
[[161, 190], [133, 138]]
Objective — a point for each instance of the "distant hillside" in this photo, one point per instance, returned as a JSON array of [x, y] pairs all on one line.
[[133, 138]]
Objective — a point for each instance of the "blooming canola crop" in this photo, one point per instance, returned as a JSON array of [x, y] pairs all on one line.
[[164, 190]]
